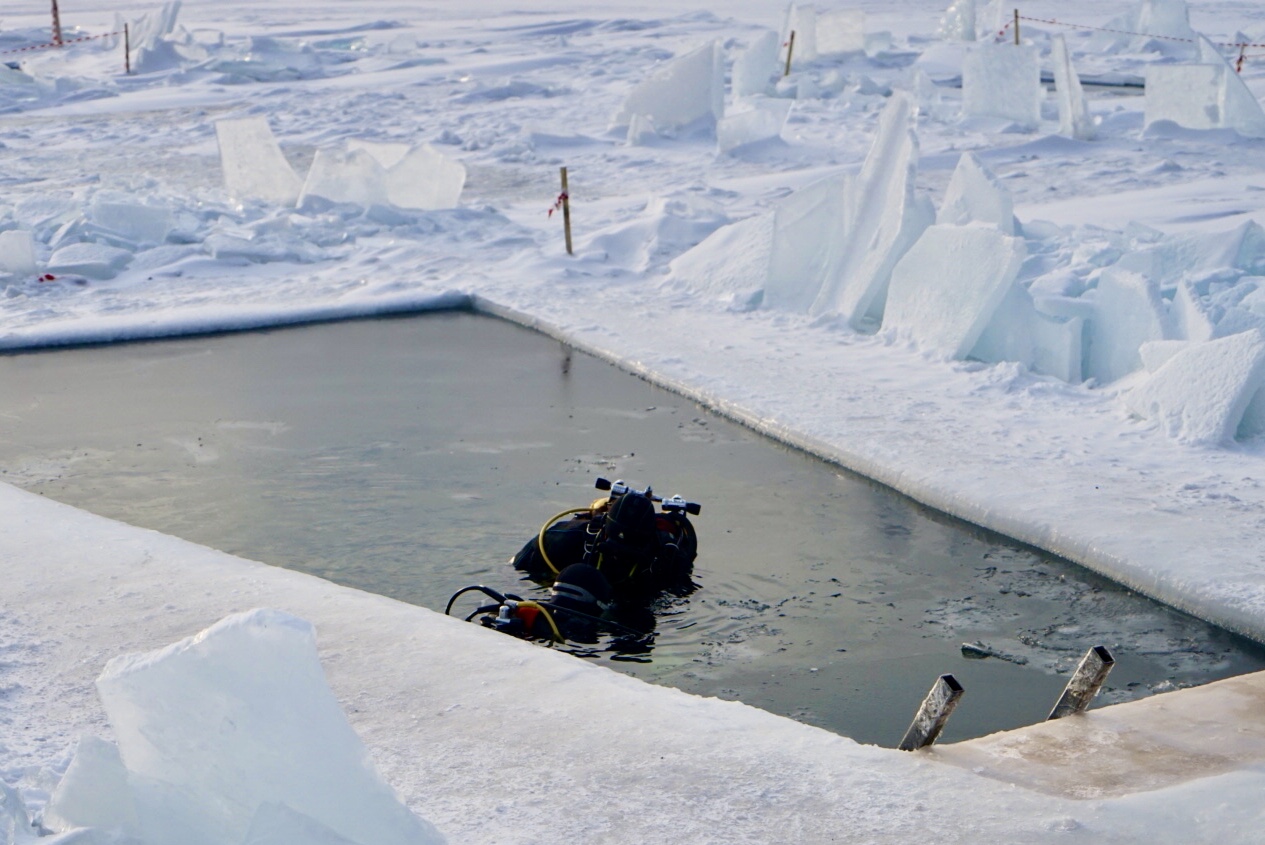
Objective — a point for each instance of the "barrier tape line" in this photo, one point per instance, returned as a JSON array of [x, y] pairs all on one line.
[[1009, 24], [61, 43]]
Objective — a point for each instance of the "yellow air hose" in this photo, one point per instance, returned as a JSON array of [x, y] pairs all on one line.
[[540, 538], [548, 618]]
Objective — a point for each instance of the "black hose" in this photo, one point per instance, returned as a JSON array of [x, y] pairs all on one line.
[[488, 591]]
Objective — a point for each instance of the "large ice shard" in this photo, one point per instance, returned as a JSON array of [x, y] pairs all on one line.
[[946, 288], [732, 261], [351, 176], [975, 195], [217, 726], [680, 92], [887, 216], [254, 166], [1074, 118], [754, 67], [1128, 311], [1003, 81], [424, 179], [1200, 395]]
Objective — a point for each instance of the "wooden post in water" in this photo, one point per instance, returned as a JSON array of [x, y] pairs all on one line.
[[56, 25], [933, 714], [127, 50], [1085, 683], [1016, 27], [566, 211], [790, 51]]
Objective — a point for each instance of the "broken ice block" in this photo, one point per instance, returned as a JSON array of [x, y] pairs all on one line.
[[760, 120], [1200, 395], [218, 725], [1128, 312], [94, 791], [681, 91], [1004, 81], [425, 179], [254, 166], [96, 261], [975, 195], [754, 67], [1017, 331], [352, 176], [947, 287], [17, 252], [141, 224]]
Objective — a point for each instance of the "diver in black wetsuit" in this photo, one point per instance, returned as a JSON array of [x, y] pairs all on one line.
[[604, 566]]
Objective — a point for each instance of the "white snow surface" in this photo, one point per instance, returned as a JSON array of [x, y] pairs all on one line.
[[466, 724]]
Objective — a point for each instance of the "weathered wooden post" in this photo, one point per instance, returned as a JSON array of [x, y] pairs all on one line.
[[127, 50], [56, 25], [566, 210], [933, 714], [1085, 683], [1016, 27], [790, 51]]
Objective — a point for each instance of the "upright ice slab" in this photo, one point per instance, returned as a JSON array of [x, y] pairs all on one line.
[[94, 792], [368, 174], [1199, 396], [755, 66], [1157, 26], [680, 92], [254, 167], [1004, 81], [424, 179], [351, 176], [1128, 311], [946, 288], [17, 252], [1074, 118], [887, 216], [975, 195], [217, 726]]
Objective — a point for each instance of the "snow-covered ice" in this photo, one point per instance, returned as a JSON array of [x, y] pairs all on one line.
[[751, 280]]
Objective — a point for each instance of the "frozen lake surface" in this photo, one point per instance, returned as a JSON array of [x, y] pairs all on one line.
[[413, 456]]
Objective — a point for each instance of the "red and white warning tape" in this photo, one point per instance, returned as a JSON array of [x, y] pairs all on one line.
[[61, 43]]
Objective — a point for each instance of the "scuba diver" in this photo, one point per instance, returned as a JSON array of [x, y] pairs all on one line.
[[609, 560]]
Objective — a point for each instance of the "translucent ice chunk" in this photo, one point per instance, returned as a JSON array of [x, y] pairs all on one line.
[[254, 166], [1003, 80], [679, 92]]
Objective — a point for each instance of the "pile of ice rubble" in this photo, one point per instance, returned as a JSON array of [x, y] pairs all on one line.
[[231, 736]]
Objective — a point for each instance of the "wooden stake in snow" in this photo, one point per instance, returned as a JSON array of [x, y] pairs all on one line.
[[566, 211], [790, 51], [1016, 27], [127, 50], [56, 25]]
